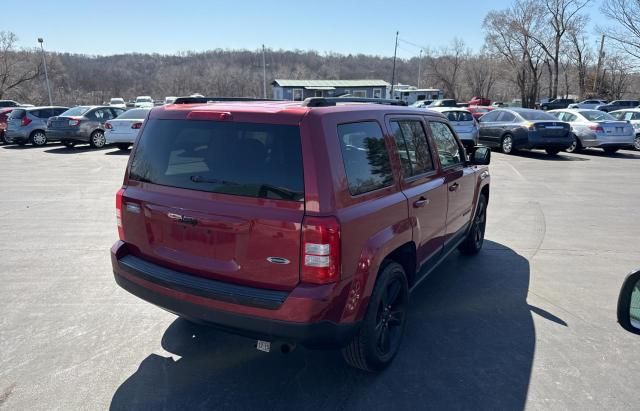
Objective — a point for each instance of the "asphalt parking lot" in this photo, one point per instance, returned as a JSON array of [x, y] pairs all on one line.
[[529, 323]]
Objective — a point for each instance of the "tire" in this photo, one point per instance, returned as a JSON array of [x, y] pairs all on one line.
[[506, 144], [576, 146], [552, 151], [380, 334], [68, 144], [610, 150], [97, 139], [472, 244], [636, 143], [38, 138], [3, 138], [123, 146]]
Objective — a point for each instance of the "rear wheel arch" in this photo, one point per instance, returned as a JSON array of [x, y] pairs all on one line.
[[485, 191], [406, 256]]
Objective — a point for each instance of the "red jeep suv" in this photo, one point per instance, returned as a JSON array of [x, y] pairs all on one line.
[[296, 222]]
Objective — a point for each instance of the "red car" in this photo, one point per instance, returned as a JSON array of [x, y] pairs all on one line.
[[4, 115], [296, 222], [479, 111], [479, 101]]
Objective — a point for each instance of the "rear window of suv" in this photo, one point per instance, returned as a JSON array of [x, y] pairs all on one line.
[[244, 159]]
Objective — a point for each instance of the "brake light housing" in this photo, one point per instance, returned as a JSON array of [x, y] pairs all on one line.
[[74, 122], [25, 121], [597, 128], [136, 126], [320, 250], [108, 126], [119, 202]]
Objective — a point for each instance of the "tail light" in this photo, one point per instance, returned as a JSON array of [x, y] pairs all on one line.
[[596, 128], [119, 195], [136, 126], [74, 122], [25, 121], [320, 250], [108, 126], [529, 126]]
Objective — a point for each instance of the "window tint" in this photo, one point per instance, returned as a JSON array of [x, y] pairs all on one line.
[[43, 113], [490, 116], [535, 115], [506, 117], [102, 114], [76, 111], [448, 148], [413, 148], [18, 113], [365, 157], [58, 111], [244, 159], [459, 116]]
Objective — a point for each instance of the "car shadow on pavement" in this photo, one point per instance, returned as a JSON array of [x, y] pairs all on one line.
[[118, 152], [74, 149], [541, 155], [469, 344], [622, 154]]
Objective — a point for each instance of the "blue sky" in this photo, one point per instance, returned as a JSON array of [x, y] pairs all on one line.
[[115, 26]]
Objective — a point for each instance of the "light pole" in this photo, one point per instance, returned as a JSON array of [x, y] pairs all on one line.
[[46, 75]]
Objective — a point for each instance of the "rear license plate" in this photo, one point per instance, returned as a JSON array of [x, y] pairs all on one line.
[[264, 346]]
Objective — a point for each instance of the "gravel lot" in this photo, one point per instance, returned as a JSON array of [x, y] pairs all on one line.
[[529, 323]]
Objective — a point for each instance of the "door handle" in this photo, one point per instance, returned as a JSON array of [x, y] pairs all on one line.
[[454, 187], [421, 202]]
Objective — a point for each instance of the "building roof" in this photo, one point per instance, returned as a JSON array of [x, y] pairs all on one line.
[[330, 83]]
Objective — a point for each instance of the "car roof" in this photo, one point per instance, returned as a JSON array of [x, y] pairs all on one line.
[[444, 109], [40, 107], [634, 110], [288, 111]]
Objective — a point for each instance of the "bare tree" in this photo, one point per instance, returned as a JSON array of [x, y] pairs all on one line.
[[16, 67], [446, 66], [582, 57], [481, 74], [626, 32], [554, 19]]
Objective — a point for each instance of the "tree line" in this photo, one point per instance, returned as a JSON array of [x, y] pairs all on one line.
[[533, 49]]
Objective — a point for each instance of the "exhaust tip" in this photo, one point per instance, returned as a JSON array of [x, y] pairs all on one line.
[[287, 348]]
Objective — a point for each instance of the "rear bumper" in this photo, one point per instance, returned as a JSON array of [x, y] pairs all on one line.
[[247, 311], [539, 142], [16, 136], [67, 135], [112, 137]]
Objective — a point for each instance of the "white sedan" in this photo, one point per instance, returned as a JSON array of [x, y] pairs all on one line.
[[118, 102], [123, 130], [143, 102]]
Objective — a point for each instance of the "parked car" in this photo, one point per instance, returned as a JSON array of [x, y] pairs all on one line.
[[29, 124], [9, 103], [463, 124], [514, 128], [4, 115], [143, 102], [595, 128], [497, 104], [422, 103], [82, 124], [304, 226], [590, 104], [479, 111], [118, 103], [170, 99], [618, 105], [632, 116], [446, 102], [557, 103], [479, 101], [123, 130], [629, 303]]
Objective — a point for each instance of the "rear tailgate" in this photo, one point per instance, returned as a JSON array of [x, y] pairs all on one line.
[[218, 199]]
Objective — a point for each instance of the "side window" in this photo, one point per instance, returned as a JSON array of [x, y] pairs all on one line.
[[490, 116], [559, 115], [506, 117], [365, 156], [448, 148], [58, 111], [568, 117], [102, 114], [116, 112], [413, 148], [635, 116], [46, 113]]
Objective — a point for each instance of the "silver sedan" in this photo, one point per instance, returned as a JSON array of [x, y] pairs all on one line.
[[594, 128]]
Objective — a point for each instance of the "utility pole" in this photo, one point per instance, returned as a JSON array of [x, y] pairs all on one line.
[[264, 73], [419, 67], [393, 73], [600, 57], [46, 75]]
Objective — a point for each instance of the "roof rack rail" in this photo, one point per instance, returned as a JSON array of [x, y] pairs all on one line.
[[332, 101], [204, 100]]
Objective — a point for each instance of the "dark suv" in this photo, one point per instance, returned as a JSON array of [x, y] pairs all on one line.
[[557, 103], [296, 222], [618, 105]]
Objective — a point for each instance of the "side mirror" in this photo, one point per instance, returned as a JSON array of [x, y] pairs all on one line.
[[481, 156], [629, 303]]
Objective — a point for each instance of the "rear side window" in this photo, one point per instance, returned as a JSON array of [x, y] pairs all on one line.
[[244, 159], [413, 148], [18, 114], [365, 157]]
